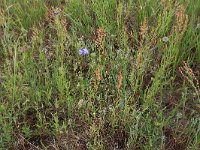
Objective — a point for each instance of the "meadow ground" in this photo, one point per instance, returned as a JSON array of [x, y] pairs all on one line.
[[100, 74]]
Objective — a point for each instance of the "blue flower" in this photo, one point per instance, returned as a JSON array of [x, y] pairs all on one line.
[[83, 51]]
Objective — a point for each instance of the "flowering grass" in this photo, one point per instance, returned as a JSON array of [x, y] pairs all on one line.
[[99, 75]]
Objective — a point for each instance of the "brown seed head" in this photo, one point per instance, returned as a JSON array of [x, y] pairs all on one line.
[[143, 30], [120, 78], [181, 19], [101, 34]]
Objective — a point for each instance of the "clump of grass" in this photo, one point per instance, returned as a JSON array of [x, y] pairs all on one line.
[[24, 14], [99, 74]]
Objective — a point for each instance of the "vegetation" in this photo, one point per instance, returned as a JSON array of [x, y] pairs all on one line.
[[134, 85]]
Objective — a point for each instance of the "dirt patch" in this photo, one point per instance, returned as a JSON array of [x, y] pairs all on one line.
[[115, 138], [173, 141]]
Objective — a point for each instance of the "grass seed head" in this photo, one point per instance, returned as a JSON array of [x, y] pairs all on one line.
[[101, 34]]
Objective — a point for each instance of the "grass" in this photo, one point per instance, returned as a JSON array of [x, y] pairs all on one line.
[[132, 91]]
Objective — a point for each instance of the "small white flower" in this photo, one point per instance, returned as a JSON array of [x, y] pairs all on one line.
[[70, 122], [80, 103], [110, 107], [104, 111], [165, 39], [179, 115]]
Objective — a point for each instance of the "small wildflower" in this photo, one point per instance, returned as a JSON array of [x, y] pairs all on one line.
[[104, 111], [163, 138], [83, 51], [110, 107], [80, 103], [179, 115], [70, 122], [198, 26], [112, 35], [165, 39]]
